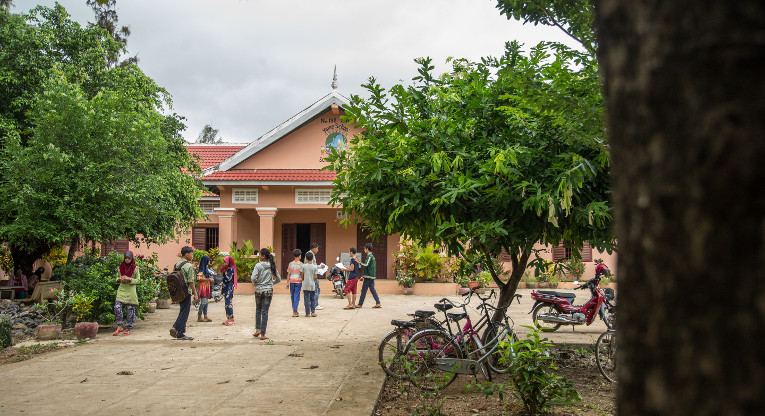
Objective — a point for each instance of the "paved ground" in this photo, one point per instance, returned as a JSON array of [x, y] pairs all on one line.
[[313, 366]]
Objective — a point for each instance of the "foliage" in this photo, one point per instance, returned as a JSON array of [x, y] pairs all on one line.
[[216, 260], [96, 278], [421, 262], [405, 279], [86, 151], [574, 268], [56, 257], [6, 333], [6, 260], [531, 373], [209, 135], [498, 154], [244, 260], [427, 262]]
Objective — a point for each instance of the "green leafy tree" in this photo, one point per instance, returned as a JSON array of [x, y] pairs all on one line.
[[209, 135], [498, 154], [87, 153], [107, 19]]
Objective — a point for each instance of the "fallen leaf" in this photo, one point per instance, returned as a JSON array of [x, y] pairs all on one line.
[[224, 382], [311, 367], [252, 380], [125, 373], [338, 399], [83, 381], [166, 368]]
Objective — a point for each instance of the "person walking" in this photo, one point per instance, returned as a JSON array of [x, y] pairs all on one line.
[[204, 279], [127, 299], [309, 285], [295, 284], [178, 331], [317, 290], [229, 284], [264, 276], [353, 279], [368, 280]]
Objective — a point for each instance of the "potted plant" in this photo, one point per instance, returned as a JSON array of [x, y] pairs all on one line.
[[163, 298], [530, 280], [406, 281], [81, 306], [464, 281]]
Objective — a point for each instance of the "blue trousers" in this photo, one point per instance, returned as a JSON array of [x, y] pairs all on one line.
[[309, 297], [202, 307], [368, 284], [228, 296], [318, 292], [295, 295]]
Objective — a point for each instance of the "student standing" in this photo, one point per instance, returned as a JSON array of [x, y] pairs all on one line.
[[353, 279], [127, 299], [178, 331], [309, 285], [295, 270], [368, 280], [203, 276], [317, 292], [264, 276], [229, 284]]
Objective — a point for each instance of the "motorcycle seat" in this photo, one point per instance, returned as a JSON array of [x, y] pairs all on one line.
[[443, 307], [424, 314], [403, 324], [565, 295], [456, 316]]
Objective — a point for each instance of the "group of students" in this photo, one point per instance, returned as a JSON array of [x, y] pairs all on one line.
[[302, 276]]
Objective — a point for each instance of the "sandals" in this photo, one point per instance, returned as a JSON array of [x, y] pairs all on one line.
[[295, 314], [349, 308], [173, 332], [228, 323], [256, 334], [127, 332], [378, 306], [185, 338], [263, 337], [313, 315], [117, 332], [358, 306]]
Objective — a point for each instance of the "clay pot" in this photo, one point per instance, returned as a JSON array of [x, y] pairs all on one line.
[[164, 303], [47, 332], [86, 330], [473, 285], [408, 290], [463, 291], [150, 307]]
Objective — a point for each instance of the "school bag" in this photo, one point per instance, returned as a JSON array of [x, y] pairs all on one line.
[[176, 285]]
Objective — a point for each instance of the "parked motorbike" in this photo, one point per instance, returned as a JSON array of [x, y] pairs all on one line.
[[552, 309], [216, 286], [337, 278]]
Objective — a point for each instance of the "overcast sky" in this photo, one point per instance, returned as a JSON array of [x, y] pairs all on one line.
[[246, 66]]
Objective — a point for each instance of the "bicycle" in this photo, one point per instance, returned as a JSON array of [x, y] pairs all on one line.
[[434, 350], [393, 342], [605, 354]]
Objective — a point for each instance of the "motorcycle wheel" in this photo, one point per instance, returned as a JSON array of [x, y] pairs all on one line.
[[545, 308], [609, 318], [218, 298]]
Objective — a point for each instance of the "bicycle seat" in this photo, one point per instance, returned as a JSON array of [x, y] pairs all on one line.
[[565, 295], [443, 307], [456, 316], [424, 314], [403, 324]]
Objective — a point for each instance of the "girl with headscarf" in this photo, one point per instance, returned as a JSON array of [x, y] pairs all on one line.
[[203, 276], [127, 299], [264, 276], [229, 284]]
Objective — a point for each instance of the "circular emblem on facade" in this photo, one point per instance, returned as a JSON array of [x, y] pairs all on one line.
[[336, 141]]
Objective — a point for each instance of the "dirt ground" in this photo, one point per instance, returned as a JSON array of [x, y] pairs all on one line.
[[598, 395]]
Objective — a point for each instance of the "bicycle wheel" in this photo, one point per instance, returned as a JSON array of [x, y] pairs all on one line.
[[495, 361], [420, 359], [389, 352], [605, 355]]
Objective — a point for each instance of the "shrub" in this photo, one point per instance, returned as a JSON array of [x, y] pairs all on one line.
[[6, 336], [405, 280], [244, 262]]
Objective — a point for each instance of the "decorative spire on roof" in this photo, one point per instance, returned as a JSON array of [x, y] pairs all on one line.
[[334, 79]]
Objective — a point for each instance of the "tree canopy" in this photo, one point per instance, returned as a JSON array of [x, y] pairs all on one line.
[[88, 151], [209, 135], [491, 156]]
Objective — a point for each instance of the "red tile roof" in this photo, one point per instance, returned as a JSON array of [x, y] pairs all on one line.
[[211, 155], [271, 175]]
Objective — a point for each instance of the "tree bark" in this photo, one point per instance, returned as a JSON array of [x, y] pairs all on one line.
[[73, 244], [685, 90]]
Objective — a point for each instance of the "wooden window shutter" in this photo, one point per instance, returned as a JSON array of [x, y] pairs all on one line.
[[587, 252], [198, 237], [559, 253], [504, 256], [120, 246]]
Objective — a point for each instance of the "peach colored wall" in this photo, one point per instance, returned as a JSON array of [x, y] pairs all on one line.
[[301, 149], [589, 271]]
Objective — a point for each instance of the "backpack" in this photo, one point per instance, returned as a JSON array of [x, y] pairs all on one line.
[[176, 285]]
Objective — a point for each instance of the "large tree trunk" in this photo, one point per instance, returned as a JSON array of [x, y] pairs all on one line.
[[686, 105]]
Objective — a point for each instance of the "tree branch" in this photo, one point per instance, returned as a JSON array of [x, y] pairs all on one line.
[[559, 26]]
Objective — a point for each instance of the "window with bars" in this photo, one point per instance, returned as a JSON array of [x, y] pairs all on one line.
[[312, 196], [204, 238], [245, 196], [208, 207], [120, 246]]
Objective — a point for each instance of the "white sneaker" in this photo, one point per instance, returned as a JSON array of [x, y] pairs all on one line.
[[319, 308]]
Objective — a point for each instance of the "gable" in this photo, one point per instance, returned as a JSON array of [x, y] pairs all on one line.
[[305, 133], [303, 148]]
